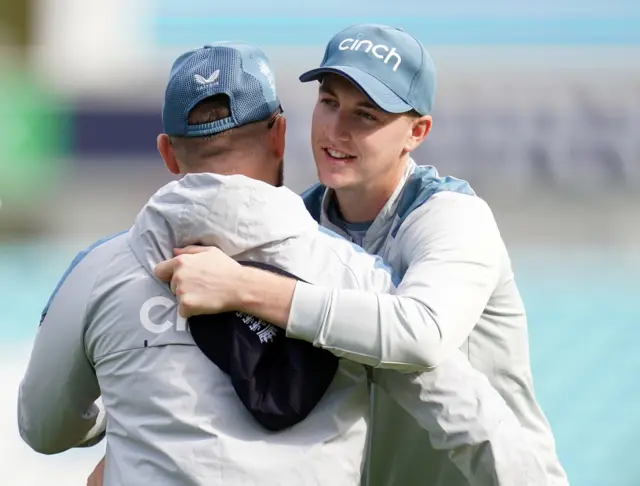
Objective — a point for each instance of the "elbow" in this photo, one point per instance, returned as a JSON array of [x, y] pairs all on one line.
[[46, 443], [38, 439], [43, 445], [420, 347], [47, 449], [414, 356], [37, 442], [417, 352], [434, 354]]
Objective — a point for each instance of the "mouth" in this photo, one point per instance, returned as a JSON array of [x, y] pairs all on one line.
[[337, 156]]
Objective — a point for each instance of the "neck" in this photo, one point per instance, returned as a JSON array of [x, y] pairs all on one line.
[[362, 204], [259, 169]]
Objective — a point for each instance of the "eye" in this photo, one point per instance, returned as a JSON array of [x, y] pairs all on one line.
[[329, 102], [366, 116]]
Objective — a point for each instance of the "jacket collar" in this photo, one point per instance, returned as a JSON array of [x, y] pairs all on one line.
[[381, 225]]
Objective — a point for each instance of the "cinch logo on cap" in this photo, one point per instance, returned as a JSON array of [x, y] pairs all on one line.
[[379, 50]]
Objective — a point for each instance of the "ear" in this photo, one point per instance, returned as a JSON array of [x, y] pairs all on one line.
[[420, 128], [277, 137], [167, 154]]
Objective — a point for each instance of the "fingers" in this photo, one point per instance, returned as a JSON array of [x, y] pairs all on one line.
[[167, 271], [174, 286], [190, 250], [164, 270], [183, 310]]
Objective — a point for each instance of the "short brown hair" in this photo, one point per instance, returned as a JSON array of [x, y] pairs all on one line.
[[191, 150], [210, 110], [197, 153]]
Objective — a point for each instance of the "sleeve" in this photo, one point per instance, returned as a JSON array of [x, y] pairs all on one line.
[[466, 416], [452, 247], [57, 407]]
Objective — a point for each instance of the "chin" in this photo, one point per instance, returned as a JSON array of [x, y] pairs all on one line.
[[334, 180], [336, 177]]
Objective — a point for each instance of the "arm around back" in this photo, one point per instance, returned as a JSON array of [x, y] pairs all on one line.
[[452, 248]]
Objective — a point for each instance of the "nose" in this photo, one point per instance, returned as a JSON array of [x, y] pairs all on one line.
[[338, 128]]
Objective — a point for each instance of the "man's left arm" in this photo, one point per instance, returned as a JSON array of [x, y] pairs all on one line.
[[452, 247], [56, 401]]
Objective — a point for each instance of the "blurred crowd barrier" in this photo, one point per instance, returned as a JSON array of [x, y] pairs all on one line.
[[539, 111]]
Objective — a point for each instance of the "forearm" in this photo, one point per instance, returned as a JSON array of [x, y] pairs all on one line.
[[50, 424], [451, 274], [57, 407], [378, 330], [56, 399], [265, 295]]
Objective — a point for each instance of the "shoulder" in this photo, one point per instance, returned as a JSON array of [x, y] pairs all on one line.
[[454, 206], [312, 198], [423, 184], [79, 263], [427, 195], [452, 223], [451, 211]]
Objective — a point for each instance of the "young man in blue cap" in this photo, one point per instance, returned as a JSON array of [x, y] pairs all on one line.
[[377, 86], [113, 330]]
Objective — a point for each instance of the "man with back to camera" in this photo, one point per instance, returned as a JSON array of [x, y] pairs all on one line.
[[376, 93], [173, 418]]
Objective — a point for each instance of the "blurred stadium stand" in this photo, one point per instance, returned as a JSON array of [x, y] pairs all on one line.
[[528, 108]]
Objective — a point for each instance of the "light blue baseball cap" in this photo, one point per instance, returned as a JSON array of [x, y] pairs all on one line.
[[239, 70], [387, 64]]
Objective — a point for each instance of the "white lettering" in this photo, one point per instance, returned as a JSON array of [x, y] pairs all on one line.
[[267, 334], [342, 46], [397, 56], [181, 323], [379, 50], [363, 42], [375, 50], [149, 325]]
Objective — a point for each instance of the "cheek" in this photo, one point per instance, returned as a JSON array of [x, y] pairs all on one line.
[[382, 155], [318, 122], [377, 151], [393, 143]]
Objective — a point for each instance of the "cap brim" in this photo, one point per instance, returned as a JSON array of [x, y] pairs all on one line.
[[376, 90]]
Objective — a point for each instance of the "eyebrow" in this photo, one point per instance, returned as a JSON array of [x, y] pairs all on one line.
[[362, 104]]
